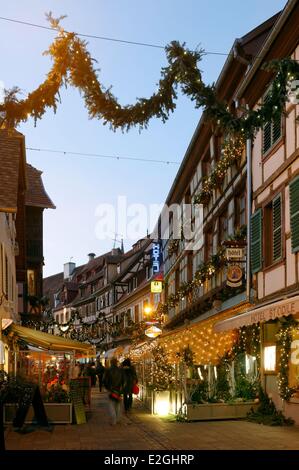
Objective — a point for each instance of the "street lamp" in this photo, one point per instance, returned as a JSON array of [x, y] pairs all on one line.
[[148, 309]]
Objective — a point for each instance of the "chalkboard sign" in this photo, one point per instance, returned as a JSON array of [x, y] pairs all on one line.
[[77, 400]]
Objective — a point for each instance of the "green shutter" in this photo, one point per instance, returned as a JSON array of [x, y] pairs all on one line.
[[277, 228], [266, 137], [276, 129], [256, 241], [272, 130], [294, 213]]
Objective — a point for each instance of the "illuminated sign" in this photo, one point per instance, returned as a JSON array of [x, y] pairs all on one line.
[[156, 255], [234, 276], [156, 287]]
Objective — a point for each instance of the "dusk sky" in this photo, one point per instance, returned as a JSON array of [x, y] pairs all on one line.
[[77, 185]]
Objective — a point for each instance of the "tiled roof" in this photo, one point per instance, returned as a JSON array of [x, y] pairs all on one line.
[[51, 285], [36, 194], [10, 154]]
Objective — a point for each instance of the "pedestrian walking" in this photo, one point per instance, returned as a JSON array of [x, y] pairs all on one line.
[[130, 379], [91, 372], [113, 382], [100, 370]]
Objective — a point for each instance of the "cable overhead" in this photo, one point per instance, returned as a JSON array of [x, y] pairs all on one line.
[[114, 157], [103, 38]]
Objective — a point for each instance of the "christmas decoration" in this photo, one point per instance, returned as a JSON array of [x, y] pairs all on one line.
[[231, 152], [73, 65], [267, 413], [284, 339], [162, 375]]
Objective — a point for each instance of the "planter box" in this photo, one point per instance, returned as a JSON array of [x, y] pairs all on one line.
[[57, 413], [209, 411]]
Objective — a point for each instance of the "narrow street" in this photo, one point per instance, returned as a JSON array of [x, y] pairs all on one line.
[[141, 431]]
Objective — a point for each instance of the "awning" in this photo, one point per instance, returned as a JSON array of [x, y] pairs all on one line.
[[50, 342], [271, 311]]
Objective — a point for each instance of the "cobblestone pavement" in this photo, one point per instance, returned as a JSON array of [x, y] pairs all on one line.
[[141, 431]]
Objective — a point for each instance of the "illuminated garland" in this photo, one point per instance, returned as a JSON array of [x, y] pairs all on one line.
[[73, 65], [204, 272], [284, 339], [231, 153]]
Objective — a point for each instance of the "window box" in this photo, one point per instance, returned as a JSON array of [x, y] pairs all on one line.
[[57, 413], [211, 411]]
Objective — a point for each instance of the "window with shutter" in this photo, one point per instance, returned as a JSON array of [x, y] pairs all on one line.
[[272, 131], [277, 228], [294, 213], [256, 241]]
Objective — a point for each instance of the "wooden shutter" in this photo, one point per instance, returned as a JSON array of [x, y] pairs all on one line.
[[256, 241], [271, 130], [277, 228], [276, 129], [294, 213], [267, 137]]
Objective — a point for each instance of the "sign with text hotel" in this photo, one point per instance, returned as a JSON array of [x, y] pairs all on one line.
[[260, 315], [156, 257]]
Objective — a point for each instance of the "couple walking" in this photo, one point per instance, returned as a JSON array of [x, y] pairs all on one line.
[[120, 380]]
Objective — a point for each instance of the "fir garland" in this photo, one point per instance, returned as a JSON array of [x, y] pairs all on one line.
[[231, 152], [284, 339], [73, 65]]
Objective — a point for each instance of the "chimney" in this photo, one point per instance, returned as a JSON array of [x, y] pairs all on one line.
[[68, 269], [91, 256], [115, 252]]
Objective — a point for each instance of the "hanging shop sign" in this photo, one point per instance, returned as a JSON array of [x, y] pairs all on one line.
[[156, 257], [234, 253], [156, 287], [234, 276]]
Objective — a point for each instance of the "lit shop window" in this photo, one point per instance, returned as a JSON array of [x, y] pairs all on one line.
[[269, 358]]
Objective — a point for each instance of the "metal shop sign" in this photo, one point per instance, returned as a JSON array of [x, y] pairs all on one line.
[[156, 287], [234, 253], [234, 276]]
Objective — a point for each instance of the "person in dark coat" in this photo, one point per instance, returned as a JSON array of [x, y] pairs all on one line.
[[91, 372], [130, 379], [113, 381], [100, 370]]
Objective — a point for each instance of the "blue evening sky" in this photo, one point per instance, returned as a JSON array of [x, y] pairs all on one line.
[[77, 185]]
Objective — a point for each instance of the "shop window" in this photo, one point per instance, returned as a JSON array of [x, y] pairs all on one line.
[[270, 358]]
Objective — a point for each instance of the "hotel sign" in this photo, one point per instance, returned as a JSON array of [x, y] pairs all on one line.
[[261, 315], [156, 258], [234, 253]]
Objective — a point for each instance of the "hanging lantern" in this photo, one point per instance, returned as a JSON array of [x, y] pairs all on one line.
[[153, 332]]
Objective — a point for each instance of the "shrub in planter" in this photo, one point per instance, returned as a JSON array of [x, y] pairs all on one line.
[[57, 394], [267, 413]]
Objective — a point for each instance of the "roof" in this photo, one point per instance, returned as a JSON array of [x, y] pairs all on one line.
[[12, 158], [51, 285], [36, 195], [250, 44]]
